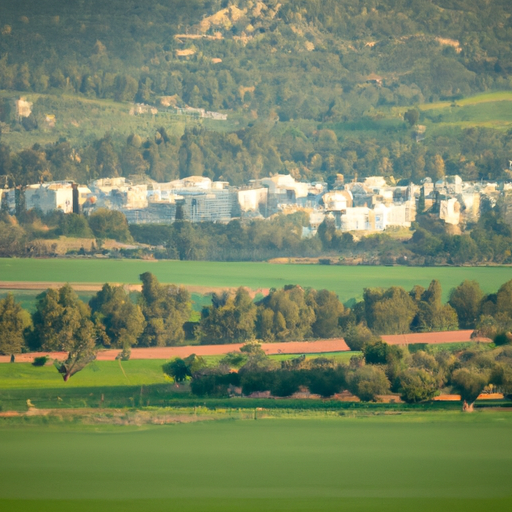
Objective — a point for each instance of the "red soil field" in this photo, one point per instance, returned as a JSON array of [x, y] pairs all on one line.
[[433, 338], [292, 347]]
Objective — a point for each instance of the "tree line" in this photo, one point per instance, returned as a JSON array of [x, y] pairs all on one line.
[[432, 242], [380, 370], [259, 148], [160, 315]]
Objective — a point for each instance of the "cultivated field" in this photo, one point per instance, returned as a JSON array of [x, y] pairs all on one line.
[[422, 462], [347, 282]]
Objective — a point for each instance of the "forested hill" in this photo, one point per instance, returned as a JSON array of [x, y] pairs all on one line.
[[305, 58], [292, 61]]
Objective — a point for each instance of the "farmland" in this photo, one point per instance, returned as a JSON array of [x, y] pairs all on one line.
[[437, 461], [347, 281]]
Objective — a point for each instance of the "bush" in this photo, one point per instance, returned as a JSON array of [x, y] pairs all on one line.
[[214, 385], [367, 382], [326, 382], [502, 338], [356, 336], [417, 385], [40, 361], [285, 383]]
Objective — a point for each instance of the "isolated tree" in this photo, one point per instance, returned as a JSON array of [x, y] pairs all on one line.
[[13, 322], [62, 323], [412, 116], [466, 300], [179, 369], [81, 350], [469, 383]]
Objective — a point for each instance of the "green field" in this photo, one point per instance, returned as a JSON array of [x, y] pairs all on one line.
[[415, 462], [108, 373], [347, 282], [98, 373]]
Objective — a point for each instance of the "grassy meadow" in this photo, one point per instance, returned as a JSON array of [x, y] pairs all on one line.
[[347, 282], [137, 372], [423, 462]]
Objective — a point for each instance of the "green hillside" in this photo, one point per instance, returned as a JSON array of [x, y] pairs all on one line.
[[310, 87]]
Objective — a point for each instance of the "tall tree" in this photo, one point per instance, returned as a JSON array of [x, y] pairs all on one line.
[[390, 311], [62, 323], [165, 308], [285, 315], [13, 322], [433, 315], [121, 319], [328, 310], [466, 300], [230, 319]]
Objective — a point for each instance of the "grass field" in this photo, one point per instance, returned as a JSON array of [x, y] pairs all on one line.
[[347, 282], [108, 373], [422, 462]]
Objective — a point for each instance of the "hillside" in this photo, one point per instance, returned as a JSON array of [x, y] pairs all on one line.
[[310, 87]]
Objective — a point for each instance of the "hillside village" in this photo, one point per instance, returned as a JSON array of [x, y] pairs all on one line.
[[371, 205]]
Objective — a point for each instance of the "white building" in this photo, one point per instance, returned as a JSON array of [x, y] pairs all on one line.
[[251, 199], [50, 196], [337, 200], [449, 211], [285, 185]]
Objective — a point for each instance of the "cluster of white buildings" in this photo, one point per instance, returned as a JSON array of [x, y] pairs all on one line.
[[370, 205]]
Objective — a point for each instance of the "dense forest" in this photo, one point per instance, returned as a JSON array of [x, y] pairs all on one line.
[[307, 82], [306, 59]]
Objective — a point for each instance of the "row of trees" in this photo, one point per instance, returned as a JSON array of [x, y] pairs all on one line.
[[382, 369], [256, 240], [291, 313], [160, 316], [261, 148]]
